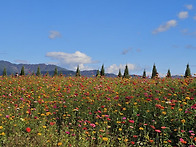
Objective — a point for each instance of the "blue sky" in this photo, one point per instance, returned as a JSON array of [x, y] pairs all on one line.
[[90, 33]]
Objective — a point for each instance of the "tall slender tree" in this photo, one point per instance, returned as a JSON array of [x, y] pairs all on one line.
[[102, 72], [126, 72], [187, 72], [38, 73], [144, 74], [119, 74], [78, 71], [22, 73], [154, 72], [55, 71], [4, 72], [168, 74]]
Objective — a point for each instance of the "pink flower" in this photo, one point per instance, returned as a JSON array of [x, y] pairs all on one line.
[[93, 125], [158, 131], [163, 127], [124, 118], [67, 132]]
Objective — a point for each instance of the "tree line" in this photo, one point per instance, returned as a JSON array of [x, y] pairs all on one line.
[[101, 73]]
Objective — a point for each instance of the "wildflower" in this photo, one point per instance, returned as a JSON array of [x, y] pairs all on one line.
[[126, 140], [132, 142], [180, 109], [39, 134], [163, 127], [183, 121], [164, 113], [2, 133], [1, 127], [44, 127], [59, 143], [141, 128], [131, 121], [28, 129], [93, 125], [105, 138], [120, 129], [182, 141], [151, 141], [158, 131]]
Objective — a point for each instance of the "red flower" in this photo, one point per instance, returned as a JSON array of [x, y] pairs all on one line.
[[28, 129], [131, 121], [132, 142]]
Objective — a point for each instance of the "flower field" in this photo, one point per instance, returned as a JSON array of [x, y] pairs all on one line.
[[81, 111]]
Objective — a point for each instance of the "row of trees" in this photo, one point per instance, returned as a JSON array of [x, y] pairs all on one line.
[[102, 72]]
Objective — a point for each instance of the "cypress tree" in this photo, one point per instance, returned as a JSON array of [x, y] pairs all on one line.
[[168, 74], [55, 71], [126, 72], [78, 72], [154, 72], [144, 74], [22, 73], [187, 72], [102, 73], [4, 72], [98, 73], [38, 73], [119, 74]]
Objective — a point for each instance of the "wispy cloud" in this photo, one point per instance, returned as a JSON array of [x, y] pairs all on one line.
[[190, 7], [183, 14], [54, 34], [189, 46], [194, 17], [187, 33], [165, 27], [125, 51], [71, 60]]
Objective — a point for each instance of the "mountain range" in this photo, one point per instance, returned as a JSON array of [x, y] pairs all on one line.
[[12, 68]]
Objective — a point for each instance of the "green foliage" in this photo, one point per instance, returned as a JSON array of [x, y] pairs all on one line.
[[4, 72], [119, 74], [22, 73], [168, 74], [126, 72], [55, 72], [187, 72], [102, 72], [78, 71], [144, 74], [154, 72], [38, 73]]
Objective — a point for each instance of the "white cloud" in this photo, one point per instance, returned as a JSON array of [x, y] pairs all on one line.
[[183, 15], [115, 68], [71, 60], [54, 34], [190, 7], [165, 27], [194, 17]]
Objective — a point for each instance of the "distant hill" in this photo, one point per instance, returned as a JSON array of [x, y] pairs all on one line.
[[32, 68], [12, 68]]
